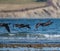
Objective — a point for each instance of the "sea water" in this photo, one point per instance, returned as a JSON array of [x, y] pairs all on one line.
[[47, 32], [30, 49], [54, 28]]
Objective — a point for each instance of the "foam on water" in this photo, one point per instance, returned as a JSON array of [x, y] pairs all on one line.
[[31, 49]]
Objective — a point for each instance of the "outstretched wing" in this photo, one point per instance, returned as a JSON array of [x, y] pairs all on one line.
[[7, 28], [48, 23], [28, 26], [37, 25]]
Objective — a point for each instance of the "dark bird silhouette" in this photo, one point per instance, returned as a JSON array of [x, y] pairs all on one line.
[[44, 24], [22, 25], [5, 25]]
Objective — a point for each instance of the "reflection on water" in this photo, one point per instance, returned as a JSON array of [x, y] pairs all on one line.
[[29, 38], [30, 35]]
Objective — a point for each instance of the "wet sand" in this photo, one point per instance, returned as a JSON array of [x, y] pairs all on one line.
[[29, 45]]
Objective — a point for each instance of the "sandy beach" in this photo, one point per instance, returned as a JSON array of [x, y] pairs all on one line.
[[29, 45], [47, 9]]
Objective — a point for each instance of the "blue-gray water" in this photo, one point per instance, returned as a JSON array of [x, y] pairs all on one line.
[[31, 49], [51, 29]]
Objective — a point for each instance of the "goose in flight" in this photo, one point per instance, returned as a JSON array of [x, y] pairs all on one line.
[[22, 25], [44, 24], [6, 25]]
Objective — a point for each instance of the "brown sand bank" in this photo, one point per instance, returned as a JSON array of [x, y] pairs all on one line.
[[19, 11], [28, 11], [29, 45]]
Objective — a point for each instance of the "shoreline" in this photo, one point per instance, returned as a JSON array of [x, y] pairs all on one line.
[[29, 45]]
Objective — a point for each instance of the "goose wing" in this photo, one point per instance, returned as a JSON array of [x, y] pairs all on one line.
[[7, 28]]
